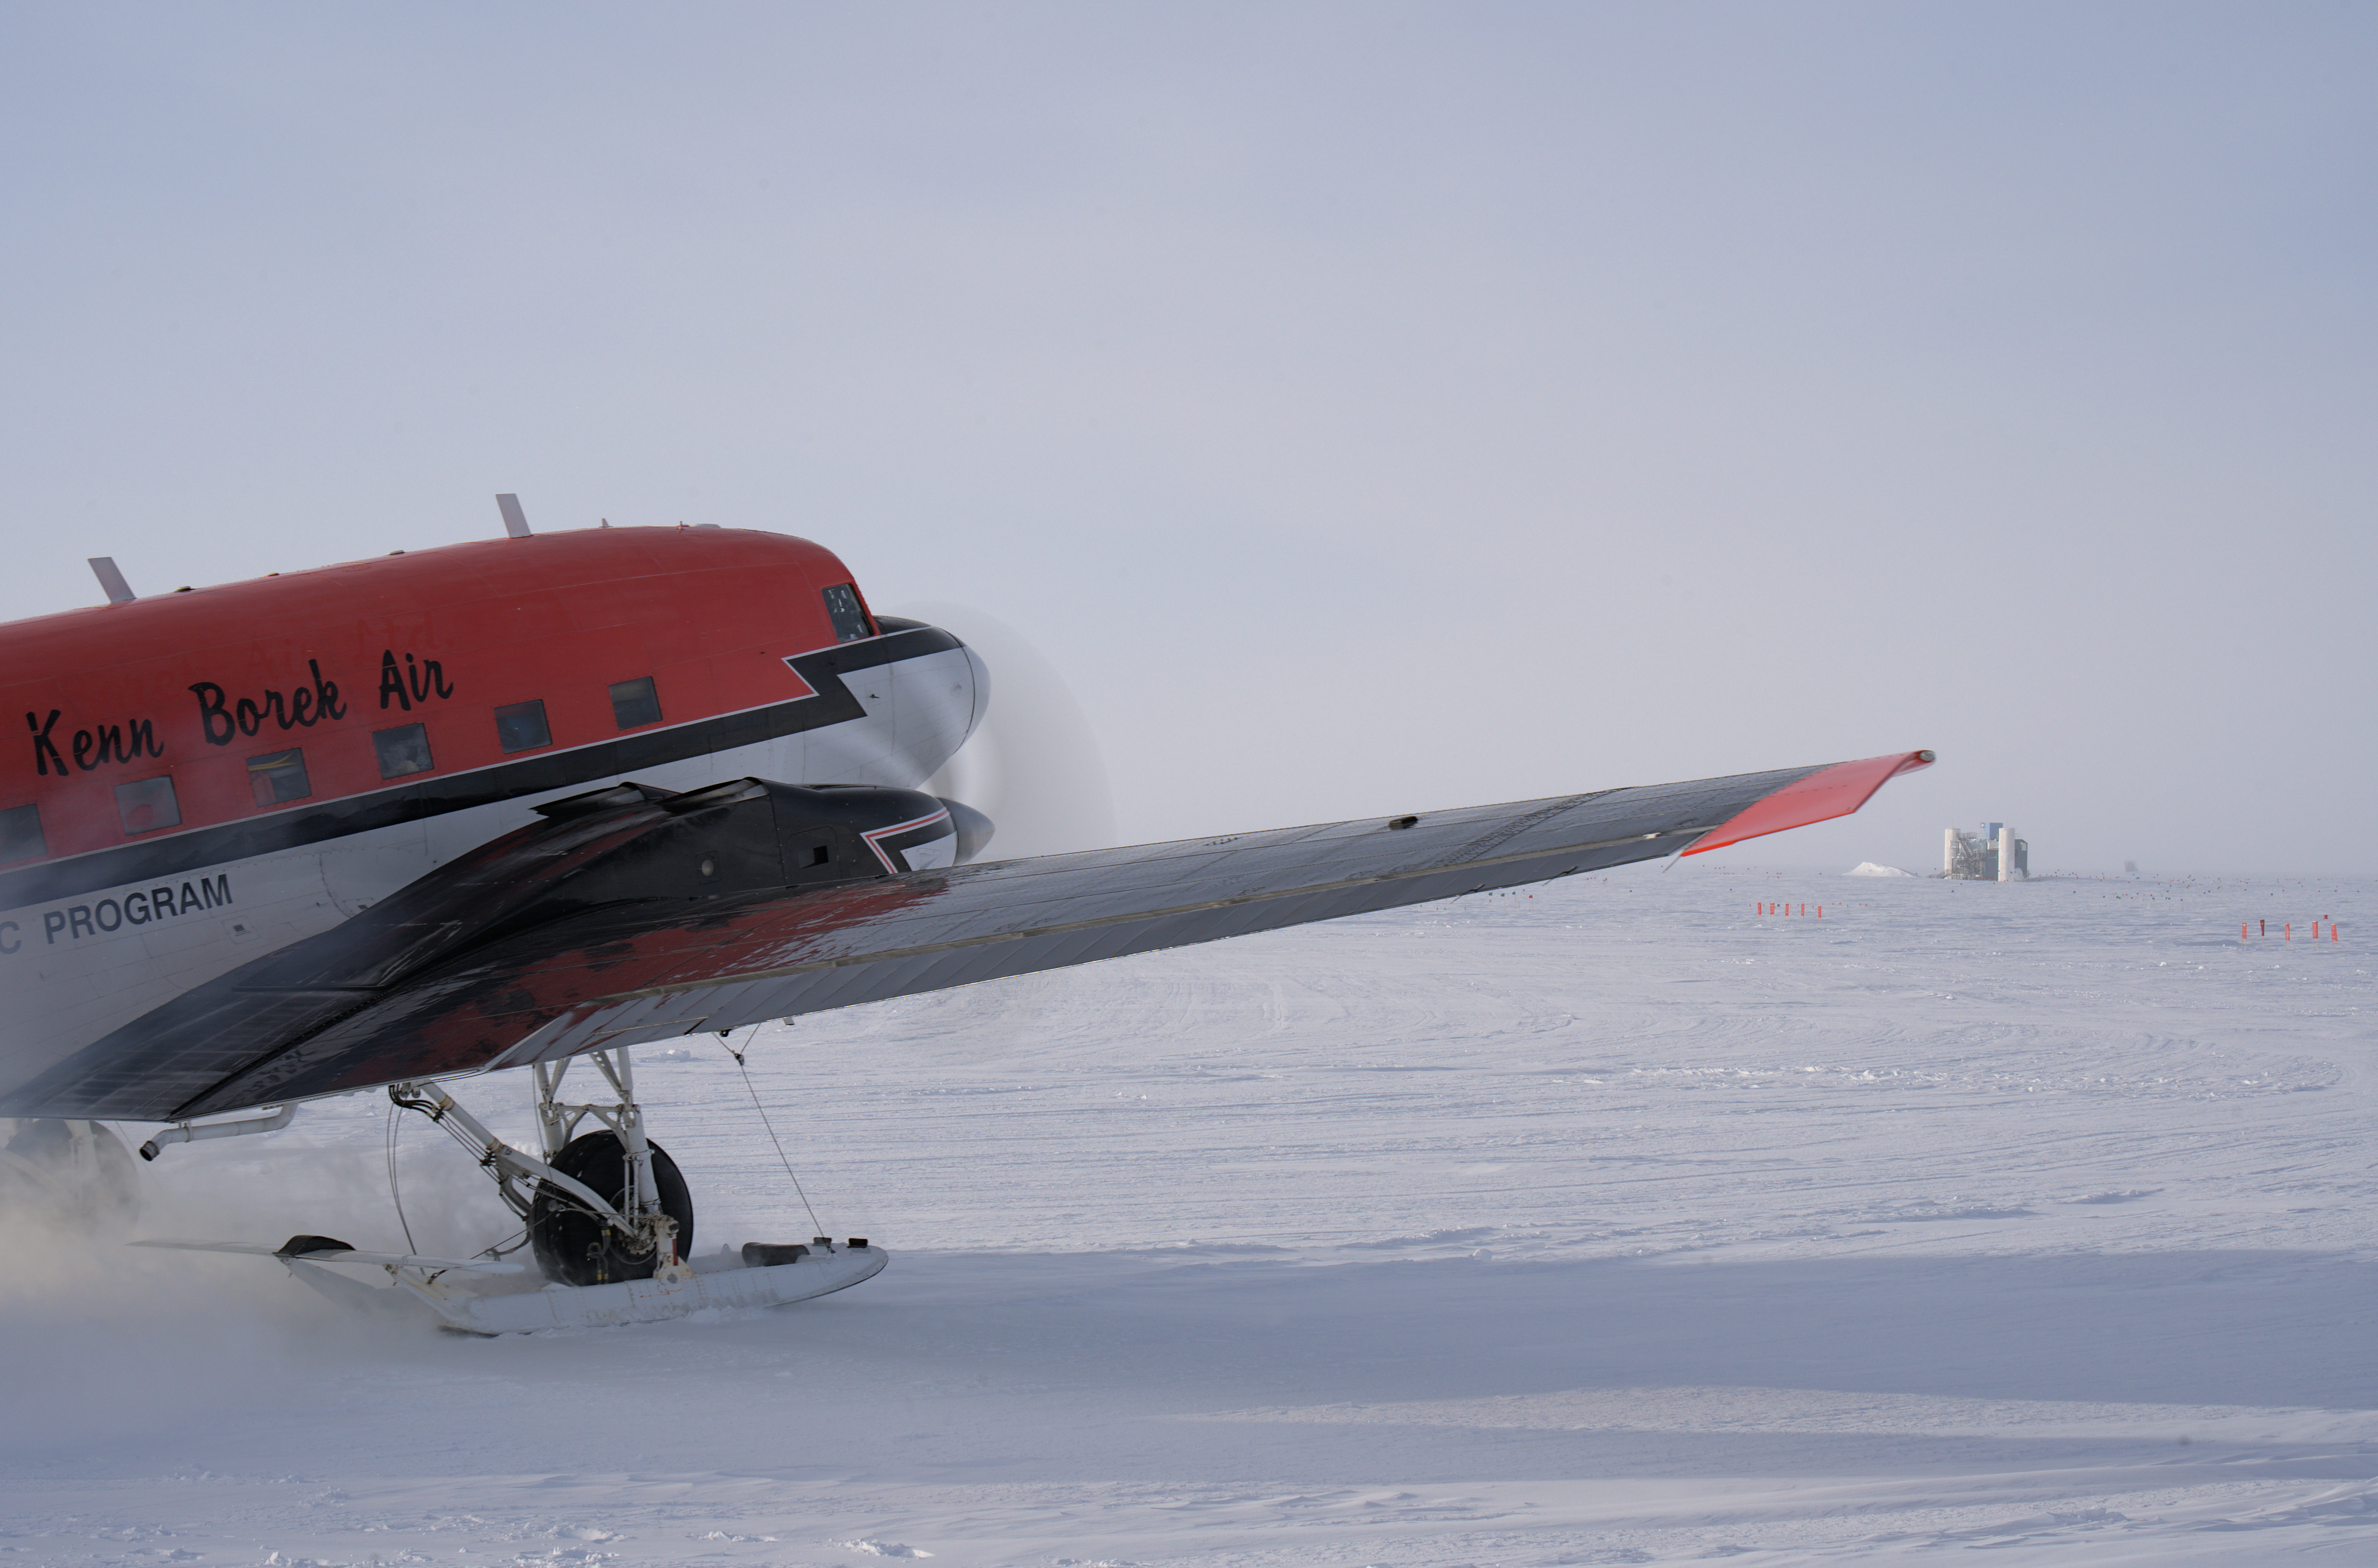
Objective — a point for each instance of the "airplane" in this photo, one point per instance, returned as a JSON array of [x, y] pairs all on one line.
[[534, 800]]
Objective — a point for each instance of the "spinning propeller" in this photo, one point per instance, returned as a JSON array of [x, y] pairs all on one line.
[[1033, 765]]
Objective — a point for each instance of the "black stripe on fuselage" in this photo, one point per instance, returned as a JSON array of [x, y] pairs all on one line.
[[431, 796]]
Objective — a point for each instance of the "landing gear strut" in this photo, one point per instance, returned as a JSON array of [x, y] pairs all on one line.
[[636, 1176], [602, 1206], [607, 1214]]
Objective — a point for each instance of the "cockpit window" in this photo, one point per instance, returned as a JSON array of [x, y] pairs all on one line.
[[850, 616]]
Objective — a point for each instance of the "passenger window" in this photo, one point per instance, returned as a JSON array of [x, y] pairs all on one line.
[[277, 776], [521, 727], [635, 702], [850, 616], [402, 750], [21, 835], [147, 805]]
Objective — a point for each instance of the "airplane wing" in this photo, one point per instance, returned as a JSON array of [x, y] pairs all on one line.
[[464, 976]]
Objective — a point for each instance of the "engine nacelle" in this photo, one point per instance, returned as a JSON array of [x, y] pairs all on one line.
[[974, 829], [624, 846], [741, 836]]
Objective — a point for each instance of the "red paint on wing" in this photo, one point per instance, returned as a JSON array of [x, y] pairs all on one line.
[[1832, 792], [479, 1023]]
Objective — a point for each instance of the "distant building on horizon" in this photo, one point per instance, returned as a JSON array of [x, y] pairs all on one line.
[[1994, 854]]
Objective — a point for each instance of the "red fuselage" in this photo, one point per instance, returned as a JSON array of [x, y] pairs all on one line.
[[193, 687]]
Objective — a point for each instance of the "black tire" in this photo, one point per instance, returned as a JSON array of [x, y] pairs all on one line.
[[575, 1247]]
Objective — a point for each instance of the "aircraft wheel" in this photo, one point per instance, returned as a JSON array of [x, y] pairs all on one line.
[[69, 1176], [575, 1247]]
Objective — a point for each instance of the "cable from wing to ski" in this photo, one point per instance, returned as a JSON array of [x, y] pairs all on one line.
[[395, 1192], [816, 1228]]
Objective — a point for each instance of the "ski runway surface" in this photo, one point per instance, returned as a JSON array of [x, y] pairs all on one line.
[[1614, 1224]]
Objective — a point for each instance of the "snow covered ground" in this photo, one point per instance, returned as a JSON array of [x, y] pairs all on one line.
[[1608, 1224]]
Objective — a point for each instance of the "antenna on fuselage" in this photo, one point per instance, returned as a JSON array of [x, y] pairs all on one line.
[[515, 519], [110, 580]]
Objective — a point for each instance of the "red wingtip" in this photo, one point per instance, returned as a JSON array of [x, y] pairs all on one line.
[[1830, 792]]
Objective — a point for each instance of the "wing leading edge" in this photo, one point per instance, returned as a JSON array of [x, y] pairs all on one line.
[[625, 974]]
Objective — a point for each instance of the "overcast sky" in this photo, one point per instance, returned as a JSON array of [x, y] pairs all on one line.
[[1366, 407]]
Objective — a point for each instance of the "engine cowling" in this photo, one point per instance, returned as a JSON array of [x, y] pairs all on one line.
[[974, 829], [622, 845]]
